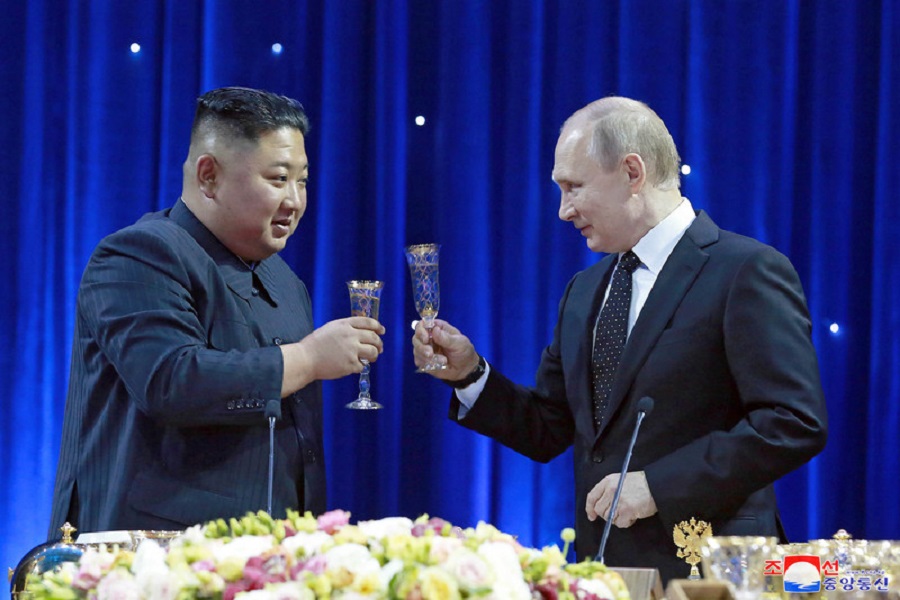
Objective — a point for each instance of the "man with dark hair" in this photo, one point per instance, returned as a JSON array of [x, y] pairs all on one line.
[[188, 324], [711, 325]]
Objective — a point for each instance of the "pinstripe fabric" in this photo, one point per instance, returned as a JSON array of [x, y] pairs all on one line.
[[174, 355]]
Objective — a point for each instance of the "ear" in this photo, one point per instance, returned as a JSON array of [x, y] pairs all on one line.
[[207, 171], [635, 170]]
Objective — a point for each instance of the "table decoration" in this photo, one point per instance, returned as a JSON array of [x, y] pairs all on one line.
[[303, 557]]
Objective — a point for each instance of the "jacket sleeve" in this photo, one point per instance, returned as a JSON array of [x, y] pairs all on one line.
[[140, 300], [536, 422], [769, 351]]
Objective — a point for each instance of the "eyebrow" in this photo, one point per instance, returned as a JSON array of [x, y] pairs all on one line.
[[288, 166]]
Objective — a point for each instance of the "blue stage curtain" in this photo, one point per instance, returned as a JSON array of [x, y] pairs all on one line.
[[786, 111]]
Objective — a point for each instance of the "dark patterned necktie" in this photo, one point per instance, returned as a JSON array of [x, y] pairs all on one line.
[[612, 331]]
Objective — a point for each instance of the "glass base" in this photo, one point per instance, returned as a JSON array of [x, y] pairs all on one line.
[[364, 404], [431, 367]]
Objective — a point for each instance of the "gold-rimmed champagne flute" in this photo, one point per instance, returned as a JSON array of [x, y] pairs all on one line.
[[365, 298], [423, 260]]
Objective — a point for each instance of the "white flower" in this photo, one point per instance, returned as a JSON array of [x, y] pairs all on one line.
[[509, 583], [281, 591], [118, 585], [388, 571], [311, 543], [266, 594], [152, 574], [149, 556], [383, 528], [192, 536], [355, 558], [470, 570], [443, 547], [91, 567], [595, 587], [243, 548]]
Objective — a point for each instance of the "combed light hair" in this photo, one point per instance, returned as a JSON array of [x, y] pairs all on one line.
[[620, 126]]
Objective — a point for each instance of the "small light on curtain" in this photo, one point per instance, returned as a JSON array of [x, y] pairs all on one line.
[[685, 169], [135, 48], [420, 120], [277, 48], [834, 328]]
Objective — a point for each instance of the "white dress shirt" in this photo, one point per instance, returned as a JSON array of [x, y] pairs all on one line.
[[653, 249]]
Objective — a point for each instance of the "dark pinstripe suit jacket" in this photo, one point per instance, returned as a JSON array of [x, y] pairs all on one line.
[[723, 346], [173, 358]]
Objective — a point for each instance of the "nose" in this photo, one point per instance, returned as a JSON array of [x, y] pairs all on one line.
[[296, 197], [566, 210]]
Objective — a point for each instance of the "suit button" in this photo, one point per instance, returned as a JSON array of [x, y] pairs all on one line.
[[597, 456], [230, 405], [310, 456], [254, 291], [240, 404], [277, 341]]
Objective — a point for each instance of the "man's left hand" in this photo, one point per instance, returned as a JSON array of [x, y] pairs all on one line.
[[636, 501]]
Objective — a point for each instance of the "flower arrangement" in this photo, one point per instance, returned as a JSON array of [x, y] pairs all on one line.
[[304, 558]]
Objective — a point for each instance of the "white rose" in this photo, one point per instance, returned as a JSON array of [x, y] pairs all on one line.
[[596, 587], [243, 548], [510, 583], [470, 570], [311, 543], [383, 528], [388, 571], [352, 557], [443, 547], [282, 591], [118, 585]]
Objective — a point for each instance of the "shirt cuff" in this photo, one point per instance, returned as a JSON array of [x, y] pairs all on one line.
[[469, 394]]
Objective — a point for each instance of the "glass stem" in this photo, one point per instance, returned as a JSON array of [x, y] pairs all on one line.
[[364, 381]]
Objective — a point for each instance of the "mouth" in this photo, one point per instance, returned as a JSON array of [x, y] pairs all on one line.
[[282, 225], [586, 230]]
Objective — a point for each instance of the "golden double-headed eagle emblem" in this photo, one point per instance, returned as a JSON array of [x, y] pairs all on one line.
[[688, 536]]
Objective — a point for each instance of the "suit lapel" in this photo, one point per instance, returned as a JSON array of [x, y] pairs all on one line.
[[676, 278], [585, 299]]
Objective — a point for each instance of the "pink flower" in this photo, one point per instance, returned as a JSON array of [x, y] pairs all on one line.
[[204, 565], [118, 585], [87, 577], [590, 589], [259, 571], [315, 565], [545, 591], [333, 520], [233, 589], [434, 524]]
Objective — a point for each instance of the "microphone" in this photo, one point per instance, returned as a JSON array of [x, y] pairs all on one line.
[[645, 406], [273, 413]]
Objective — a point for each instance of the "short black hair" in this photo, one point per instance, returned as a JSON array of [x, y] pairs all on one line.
[[248, 113]]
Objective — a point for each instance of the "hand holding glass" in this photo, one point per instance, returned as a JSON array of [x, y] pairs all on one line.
[[365, 298], [423, 267]]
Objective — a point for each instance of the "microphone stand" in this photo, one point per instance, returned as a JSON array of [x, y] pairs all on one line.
[[645, 405], [273, 413]]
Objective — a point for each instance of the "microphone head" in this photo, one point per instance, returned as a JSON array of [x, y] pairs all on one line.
[[645, 405], [273, 409]]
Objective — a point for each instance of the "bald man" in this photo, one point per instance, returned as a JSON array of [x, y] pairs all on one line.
[[712, 325], [188, 325]]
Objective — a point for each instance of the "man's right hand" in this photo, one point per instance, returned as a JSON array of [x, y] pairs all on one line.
[[332, 351], [451, 348]]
